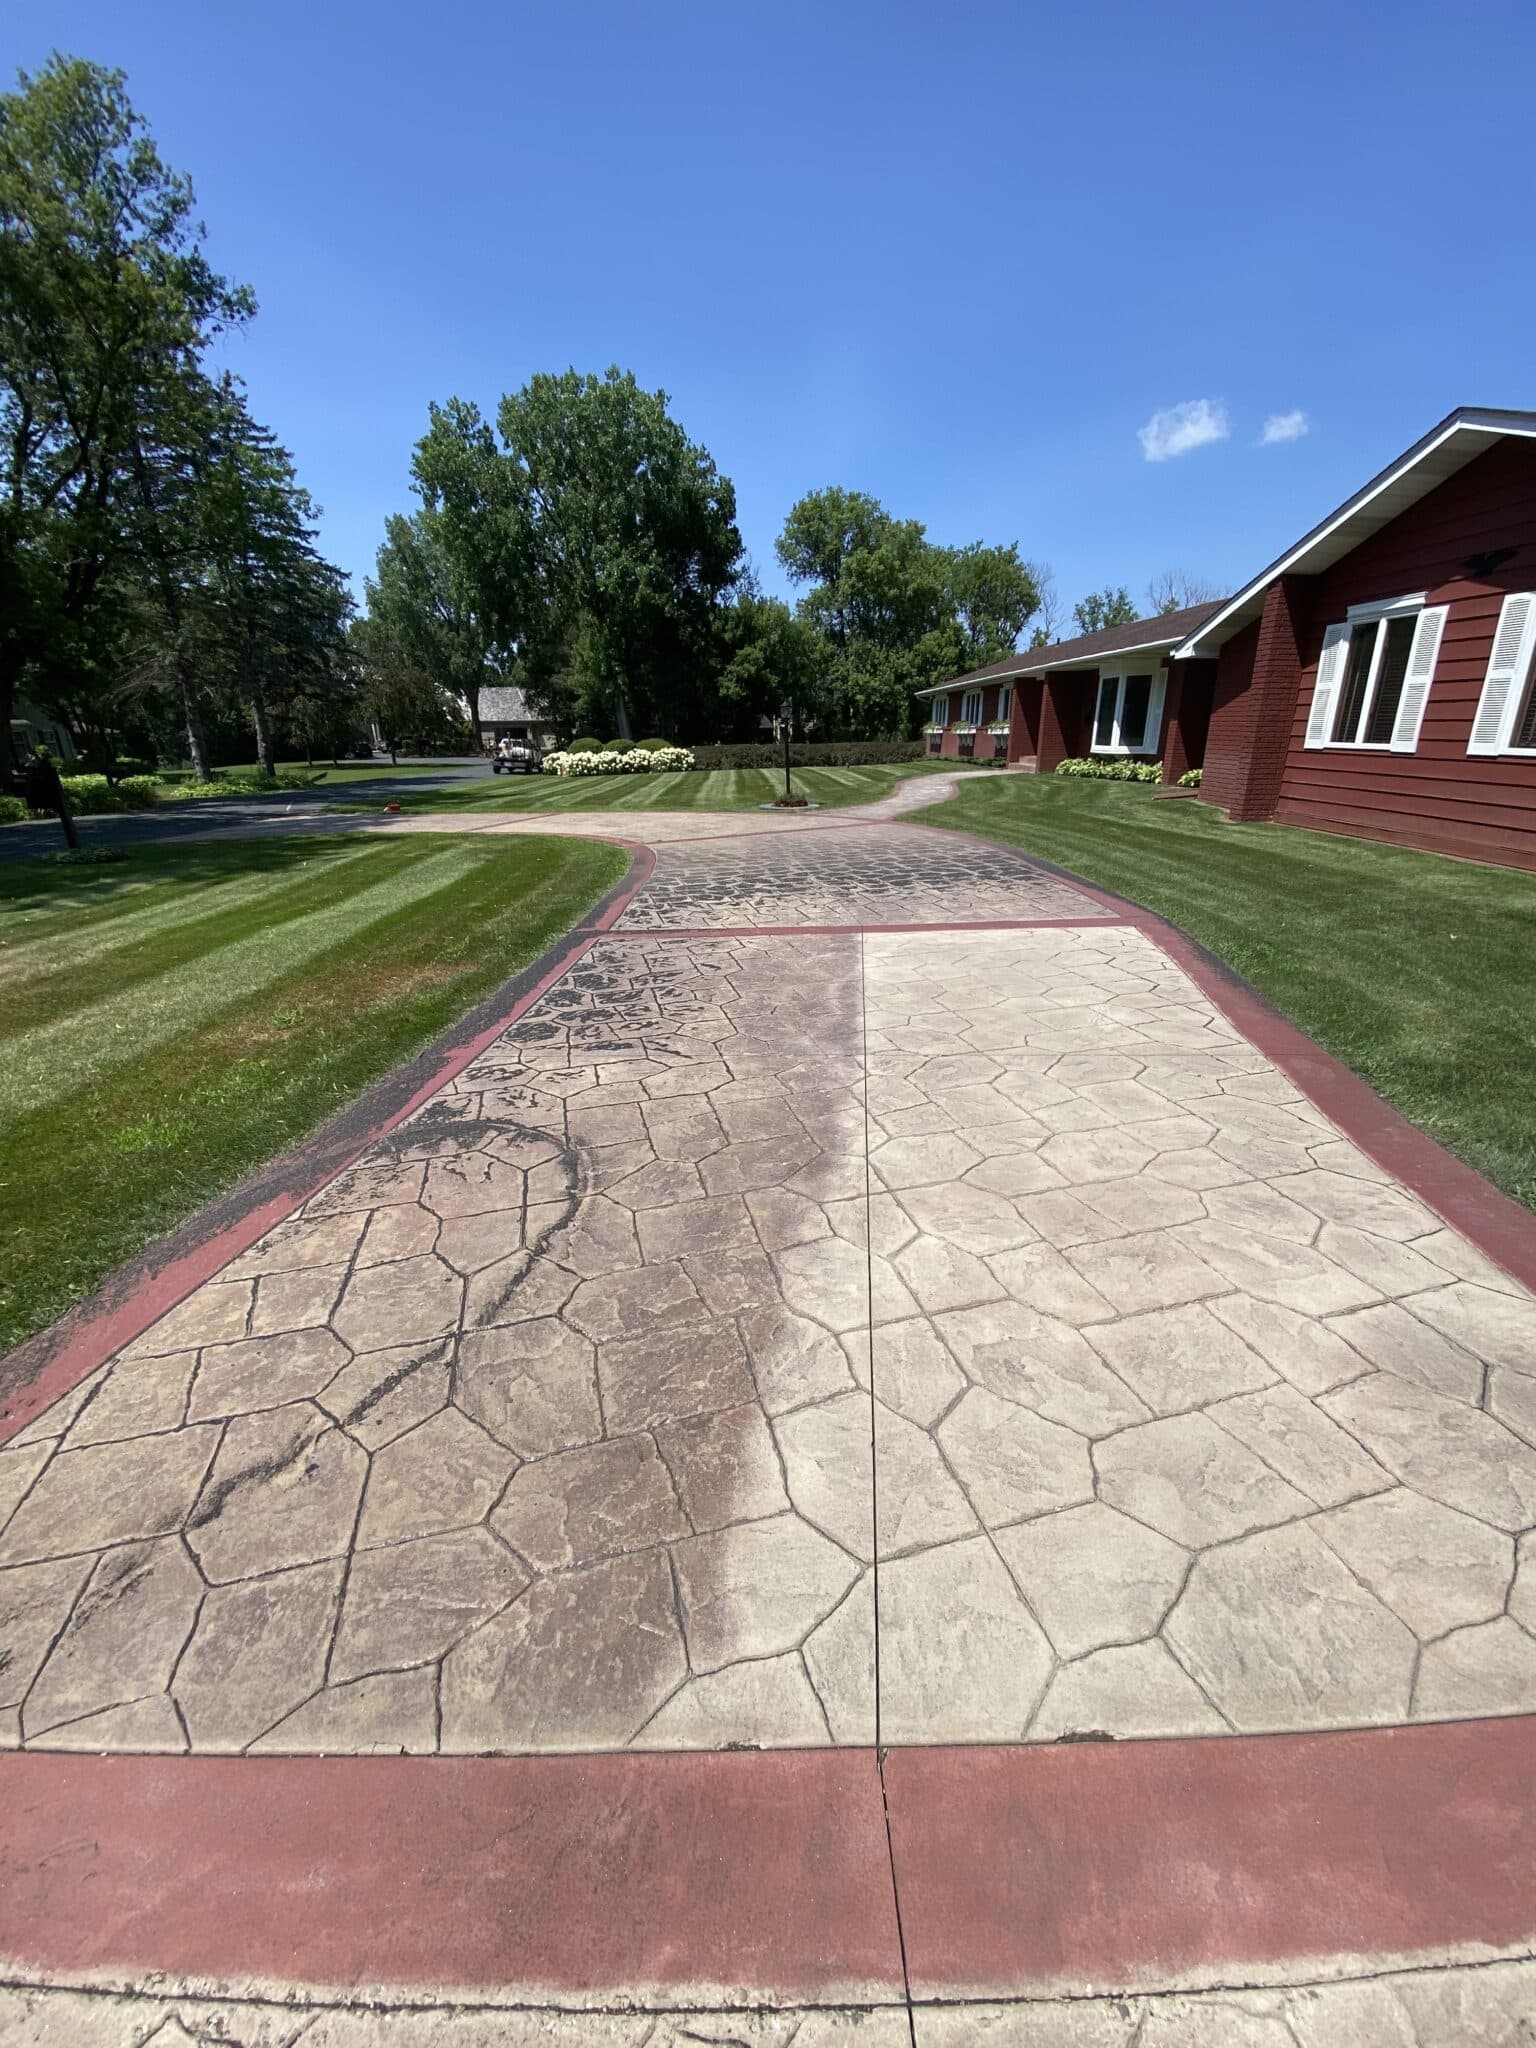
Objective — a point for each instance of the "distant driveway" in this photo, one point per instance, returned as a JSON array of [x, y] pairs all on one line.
[[301, 807]]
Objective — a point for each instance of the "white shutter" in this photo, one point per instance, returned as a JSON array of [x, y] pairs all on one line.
[[1330, 671], [1422, 656], [1154, 715], [1506, 664]]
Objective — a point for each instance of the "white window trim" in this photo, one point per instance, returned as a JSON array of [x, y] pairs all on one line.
[[1386, 608], [1333, 667], [941, 711], [1152, 738], [1509, 667], [967, 715]]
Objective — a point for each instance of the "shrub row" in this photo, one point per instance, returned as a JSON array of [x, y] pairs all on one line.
[[809, 754], [591, 746], [92, 795], [646, 760], [1121, 770]]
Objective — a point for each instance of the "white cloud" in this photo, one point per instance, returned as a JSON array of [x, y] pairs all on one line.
[[1182, 427], [1284, 426]]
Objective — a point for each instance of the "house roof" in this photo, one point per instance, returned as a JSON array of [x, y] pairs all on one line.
[[505, 705], [1139, 636], [1450, 446]]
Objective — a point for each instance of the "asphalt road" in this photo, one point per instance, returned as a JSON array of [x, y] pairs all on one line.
[[295, 809]]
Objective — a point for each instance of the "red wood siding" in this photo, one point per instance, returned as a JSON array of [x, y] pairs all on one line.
[[1438, 797]]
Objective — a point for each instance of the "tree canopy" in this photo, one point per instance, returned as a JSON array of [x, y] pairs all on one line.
[[1106, 607], [894, 610], [154, 542], [592, 544]]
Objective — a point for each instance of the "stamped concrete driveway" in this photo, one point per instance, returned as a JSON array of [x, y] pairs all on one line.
[[872, 1254]]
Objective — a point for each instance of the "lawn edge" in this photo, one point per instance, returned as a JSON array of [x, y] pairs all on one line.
[[52, 1361]]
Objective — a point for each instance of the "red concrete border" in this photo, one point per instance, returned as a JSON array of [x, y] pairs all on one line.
[[166, 1274], [1118, 1865], [1019, 1871], [591, 1877]]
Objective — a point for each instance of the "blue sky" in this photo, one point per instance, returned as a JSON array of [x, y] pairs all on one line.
[[958, 256]]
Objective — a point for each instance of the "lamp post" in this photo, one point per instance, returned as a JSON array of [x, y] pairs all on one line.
[[786, 720]]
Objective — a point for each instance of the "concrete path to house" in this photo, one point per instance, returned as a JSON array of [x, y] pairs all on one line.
[[881, 1453]]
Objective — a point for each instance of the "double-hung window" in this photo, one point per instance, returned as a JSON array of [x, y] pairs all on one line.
[[1373, 675], [1128, 716], [1505, 721]]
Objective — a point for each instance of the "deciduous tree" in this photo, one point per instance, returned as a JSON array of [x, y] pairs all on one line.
[[107, 304], [1106, 607]]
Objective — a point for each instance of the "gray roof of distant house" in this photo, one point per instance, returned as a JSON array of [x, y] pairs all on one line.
[[505, 706], [1167, 629]]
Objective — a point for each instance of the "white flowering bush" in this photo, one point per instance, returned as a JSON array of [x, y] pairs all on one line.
[[636, 761]]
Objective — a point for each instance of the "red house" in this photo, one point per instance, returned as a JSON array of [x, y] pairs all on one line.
[[1378, 679]]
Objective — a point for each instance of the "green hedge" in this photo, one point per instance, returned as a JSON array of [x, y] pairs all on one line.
[[91, 795], [810, 754], [12, 810]]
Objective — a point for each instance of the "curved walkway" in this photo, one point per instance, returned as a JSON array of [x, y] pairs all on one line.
[[876, 1292]]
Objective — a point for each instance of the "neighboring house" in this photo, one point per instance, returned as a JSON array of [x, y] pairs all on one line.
[[31, 729], [1379, 678], [505, 714]]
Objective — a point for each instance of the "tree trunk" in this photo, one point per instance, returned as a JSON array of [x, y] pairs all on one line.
[[265, 752], [197, 739], [67, 825]]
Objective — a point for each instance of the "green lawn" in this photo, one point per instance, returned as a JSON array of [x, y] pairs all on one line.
[[169, 1021], [722, 789], [1417, 971]]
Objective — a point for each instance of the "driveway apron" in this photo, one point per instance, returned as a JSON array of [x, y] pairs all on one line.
[[876, 1294]]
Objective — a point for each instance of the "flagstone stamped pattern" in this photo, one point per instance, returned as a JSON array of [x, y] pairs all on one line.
[[548, 1426], [1479, 2006]]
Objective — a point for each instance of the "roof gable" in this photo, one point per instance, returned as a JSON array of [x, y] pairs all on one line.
[[1445, 449]]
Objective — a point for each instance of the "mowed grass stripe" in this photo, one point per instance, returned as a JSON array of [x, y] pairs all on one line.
[[715, 789], [39, 909], [87, 1180], [66, 975], [55, 1056]]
